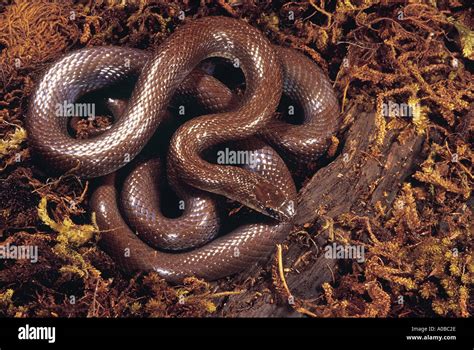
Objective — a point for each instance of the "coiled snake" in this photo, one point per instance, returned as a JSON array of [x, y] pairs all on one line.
[[265, 185]]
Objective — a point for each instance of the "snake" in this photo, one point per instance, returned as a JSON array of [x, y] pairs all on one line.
[[176, 248]]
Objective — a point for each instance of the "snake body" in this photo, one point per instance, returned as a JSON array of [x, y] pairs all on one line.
[[266, 186]]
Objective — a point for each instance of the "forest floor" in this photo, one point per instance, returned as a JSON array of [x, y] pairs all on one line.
[[399, 186]]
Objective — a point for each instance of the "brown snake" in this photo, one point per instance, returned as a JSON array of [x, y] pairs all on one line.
[[265, 186]]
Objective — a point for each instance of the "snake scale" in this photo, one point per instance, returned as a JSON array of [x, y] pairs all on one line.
[[133, 229]]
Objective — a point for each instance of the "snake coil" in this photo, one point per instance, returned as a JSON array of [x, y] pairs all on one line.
[[165, 244]]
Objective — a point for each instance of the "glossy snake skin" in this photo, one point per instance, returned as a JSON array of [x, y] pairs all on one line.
[[266, 186]]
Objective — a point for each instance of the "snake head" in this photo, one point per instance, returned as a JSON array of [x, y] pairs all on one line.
[[271, 201]]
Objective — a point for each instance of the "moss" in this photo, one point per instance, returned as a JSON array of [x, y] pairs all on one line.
[[13, 141]]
